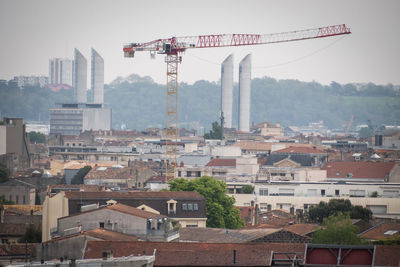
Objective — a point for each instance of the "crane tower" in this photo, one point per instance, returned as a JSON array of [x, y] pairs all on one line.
[[173, 48]]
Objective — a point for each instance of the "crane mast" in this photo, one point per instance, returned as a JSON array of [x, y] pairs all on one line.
[[174, 46]]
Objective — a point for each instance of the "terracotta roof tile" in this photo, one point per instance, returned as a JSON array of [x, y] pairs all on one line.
[[378, 231], [300, 150], [124, 209], [105, 234], [387, 256], [358, 169], [195, 254], [217, 235], [134, 194], [222, 163], [302, 229]]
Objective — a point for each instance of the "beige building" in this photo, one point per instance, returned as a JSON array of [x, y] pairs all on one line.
[[187, 208], [14, 145], [269, 129], [382, 199]]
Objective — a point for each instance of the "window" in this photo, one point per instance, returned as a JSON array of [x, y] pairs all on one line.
[[311, 192], [184, 206], [23, 200], [16, 199], [263, 192], [286, 192], [195, 206], [337, 192], [190, 206], [101, 224], [263, 206], [357, 193], [322, 192], [179, 173]]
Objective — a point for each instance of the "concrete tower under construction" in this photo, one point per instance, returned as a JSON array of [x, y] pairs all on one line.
[[226, 90], [97, 77], [244, 93], [80, 77]]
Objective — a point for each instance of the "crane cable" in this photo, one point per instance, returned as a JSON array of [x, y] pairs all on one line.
[[279, 64]]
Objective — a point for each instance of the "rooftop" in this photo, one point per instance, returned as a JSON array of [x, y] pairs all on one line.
[[134, 195], [358, 169], [222, 163], [382, 231], [300, 150]]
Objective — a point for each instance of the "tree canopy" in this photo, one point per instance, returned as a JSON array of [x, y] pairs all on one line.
[[335, 206], [221, 212], [80, 175], [136, 102], [3, 174], [339, 230], [35, 137], [248, 189], [31, 235], [215, 133]]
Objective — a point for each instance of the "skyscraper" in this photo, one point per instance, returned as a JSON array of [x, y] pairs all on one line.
[[97, 78], [61, 71], [80, 77], [226, 90], [244, 93]]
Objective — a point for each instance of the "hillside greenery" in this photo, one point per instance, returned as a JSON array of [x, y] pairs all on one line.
[[139, 103]]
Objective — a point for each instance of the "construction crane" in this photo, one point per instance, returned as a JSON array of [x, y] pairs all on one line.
[[349, 125], [173, 48]]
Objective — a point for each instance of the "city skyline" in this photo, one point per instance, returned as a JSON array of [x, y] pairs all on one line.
[[369, 54]]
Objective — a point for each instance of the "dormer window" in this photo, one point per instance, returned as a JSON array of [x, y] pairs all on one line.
[[171, 205]]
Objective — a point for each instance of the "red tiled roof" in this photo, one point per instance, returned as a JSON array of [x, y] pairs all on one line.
[[105, 234], [195, 254], [124, 209], [301, 229], [358, 169], [222, 163], [134, 194], [218, 235], [17, 249], [300, 150], [378, 231]]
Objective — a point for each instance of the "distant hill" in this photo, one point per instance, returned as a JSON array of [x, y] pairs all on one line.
[[139, 102]]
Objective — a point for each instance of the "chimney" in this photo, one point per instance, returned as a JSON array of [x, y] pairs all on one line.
[[256, 215]]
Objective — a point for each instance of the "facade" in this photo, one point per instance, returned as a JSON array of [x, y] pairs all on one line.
[[268, 129], [61, 71], [97, 77], [226, 90], [381, 198], [244, 93], [120, 177], [72, 119], [123, 219], [187, 208], [14, 145], [80, 77], [31, 80], [18, 192]]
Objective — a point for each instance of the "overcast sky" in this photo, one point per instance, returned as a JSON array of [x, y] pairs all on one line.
[[32, 32]]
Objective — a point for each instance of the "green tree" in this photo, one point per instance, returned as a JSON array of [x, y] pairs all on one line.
[[338, 229], [35, 137], [220, 209], [215, 133], [389, 242], [31, 235], [3, 174], [365, 132], [335, 206], [4, 201], [248, 189], [80, 175]]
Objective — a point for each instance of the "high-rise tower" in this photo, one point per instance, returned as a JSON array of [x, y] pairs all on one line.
[[244, 93], [226, 90], [80, 78], [61, 71], [97, 78]]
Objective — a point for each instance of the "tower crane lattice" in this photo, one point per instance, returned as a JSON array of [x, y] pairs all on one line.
[[174, 46]]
